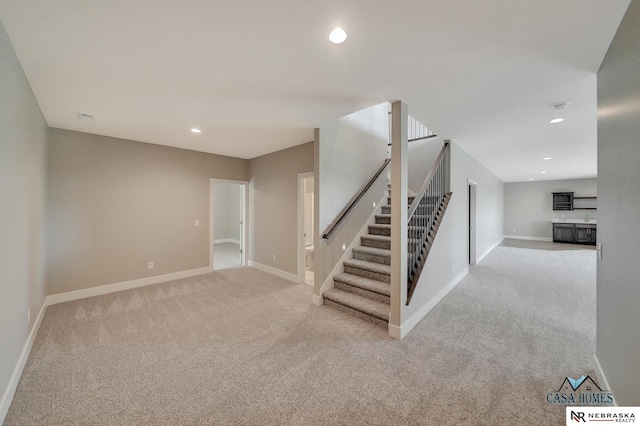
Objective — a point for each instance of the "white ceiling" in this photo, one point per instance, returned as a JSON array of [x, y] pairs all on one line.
[[258, 75]]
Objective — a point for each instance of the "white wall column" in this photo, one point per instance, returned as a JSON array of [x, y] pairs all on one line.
[[399, 180]]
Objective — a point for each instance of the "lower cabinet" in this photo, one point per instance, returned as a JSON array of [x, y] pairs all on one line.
[[574, 233], [564, 232], [586, 234]]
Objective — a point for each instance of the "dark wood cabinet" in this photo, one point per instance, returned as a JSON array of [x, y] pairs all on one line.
[[574, 233], [567, 201], [563, 232], [563, 200], [585, 234]]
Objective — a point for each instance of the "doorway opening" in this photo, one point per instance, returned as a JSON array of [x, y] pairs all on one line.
[[228, 219], [306, 237], [472, 221]]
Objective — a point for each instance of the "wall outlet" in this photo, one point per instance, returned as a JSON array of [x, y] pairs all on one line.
[[197, 223], [274, 257], [28, 316], [150, 265]]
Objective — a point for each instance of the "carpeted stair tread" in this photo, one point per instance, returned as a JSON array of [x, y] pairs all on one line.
[[380, 226], [373, 251], [377, 237], [358, 303], [364, 283], [369, 266]]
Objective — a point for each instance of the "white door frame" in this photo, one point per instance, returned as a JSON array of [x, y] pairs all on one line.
[[244, 235], [471, 199], [301, 245]]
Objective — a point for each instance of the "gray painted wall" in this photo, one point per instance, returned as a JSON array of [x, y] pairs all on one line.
[[114, 205], [528, 206], [226, 211], [449, 255], [273, 206], [23, 137], [618, 296]]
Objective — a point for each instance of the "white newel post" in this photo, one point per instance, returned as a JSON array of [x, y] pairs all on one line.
[[399, 180]]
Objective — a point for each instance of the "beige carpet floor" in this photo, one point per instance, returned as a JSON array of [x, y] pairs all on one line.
[[241, 347]]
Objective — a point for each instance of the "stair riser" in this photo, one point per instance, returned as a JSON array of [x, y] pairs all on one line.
[[386, 209], [383, 220], [375, 243], [380, 231], [362, 292], [383, 260], [367, 274], [368, 318]]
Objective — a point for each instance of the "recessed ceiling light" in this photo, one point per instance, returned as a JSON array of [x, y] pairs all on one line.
[[194, 130], [547, 158], [542, 173], [337, 36], [556, 120]]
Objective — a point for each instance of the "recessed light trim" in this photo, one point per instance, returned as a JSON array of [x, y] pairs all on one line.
[[542, 173], [556, 120], [547, 158], [196, 130], [337, 36]]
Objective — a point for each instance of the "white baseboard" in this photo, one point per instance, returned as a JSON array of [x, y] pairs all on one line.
[[316, 300], [399, 332], [126, 285], [394, 331], [527, 237], [273, 271], [605, 382], [489, 250], [226, 240], [10, 391]]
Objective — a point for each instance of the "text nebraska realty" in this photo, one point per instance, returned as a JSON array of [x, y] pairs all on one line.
[[603, 417]]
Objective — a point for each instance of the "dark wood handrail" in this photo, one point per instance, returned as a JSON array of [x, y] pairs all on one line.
[[352, 203], [416, 200]]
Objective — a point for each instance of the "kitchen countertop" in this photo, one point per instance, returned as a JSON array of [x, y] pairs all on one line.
[[582, 221]]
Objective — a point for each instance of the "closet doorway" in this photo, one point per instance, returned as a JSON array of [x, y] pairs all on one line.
[[228, 224]]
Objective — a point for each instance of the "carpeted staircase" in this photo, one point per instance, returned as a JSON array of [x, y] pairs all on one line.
[[364, 288]]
